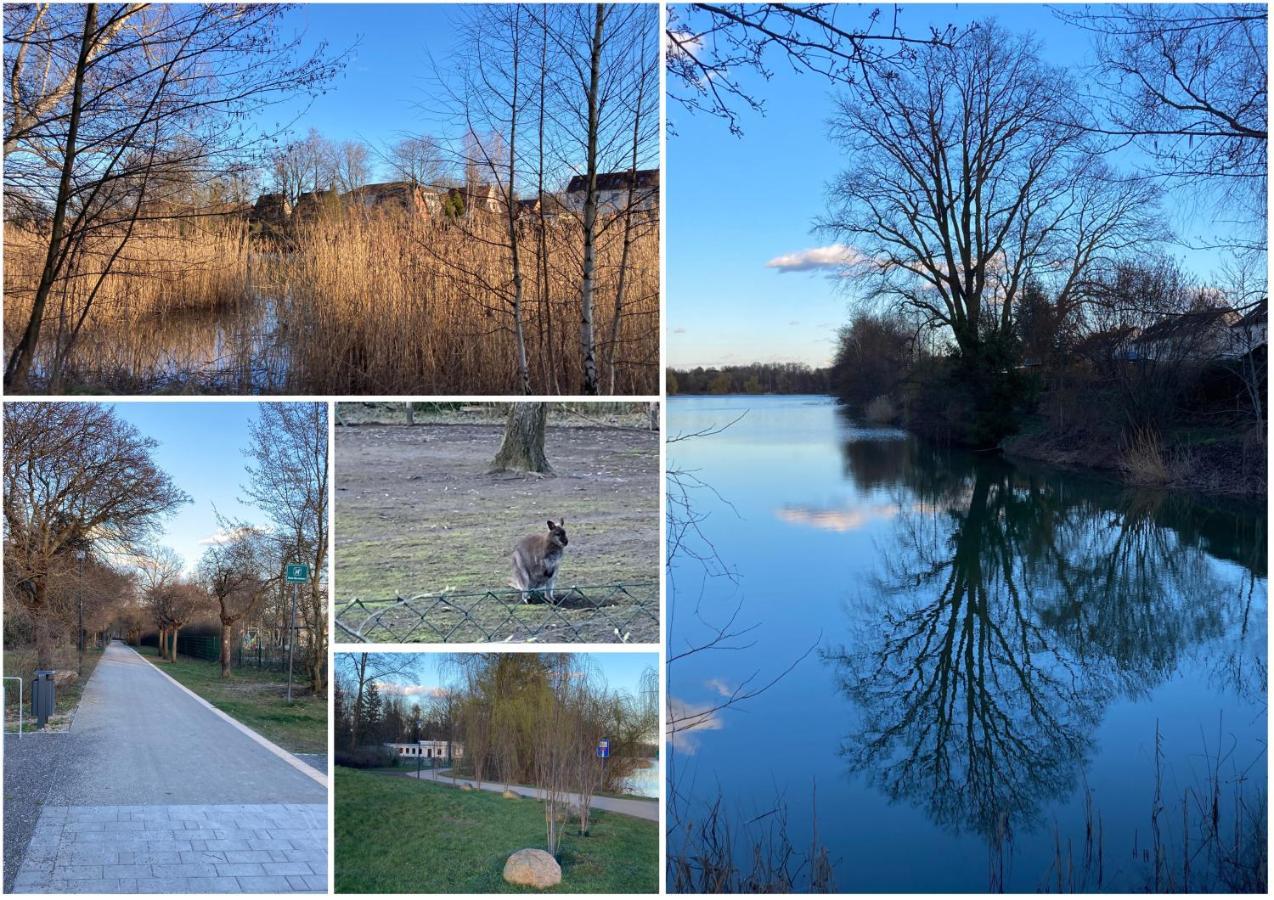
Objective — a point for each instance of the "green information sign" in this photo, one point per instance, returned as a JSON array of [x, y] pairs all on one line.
[[298, 573]]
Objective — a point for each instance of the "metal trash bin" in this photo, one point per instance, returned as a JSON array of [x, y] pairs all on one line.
[[42, 696]]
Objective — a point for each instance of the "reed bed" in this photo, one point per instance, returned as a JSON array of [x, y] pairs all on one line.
[[349, 303], [383, 304], [99, 333]]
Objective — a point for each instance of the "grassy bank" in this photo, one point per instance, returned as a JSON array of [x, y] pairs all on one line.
[[444, 840], [1217, 461], [258, 699]]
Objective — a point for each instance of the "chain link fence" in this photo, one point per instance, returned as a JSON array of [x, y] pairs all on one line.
[[272, 657], [609, 613]]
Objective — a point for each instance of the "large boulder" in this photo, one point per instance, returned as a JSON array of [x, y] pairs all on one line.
[[532, 868], [509, 795]]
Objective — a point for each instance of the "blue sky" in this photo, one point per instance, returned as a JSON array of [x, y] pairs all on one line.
[[201, 447], [393, 85], [736, 203], [622, 671], [389, 77]]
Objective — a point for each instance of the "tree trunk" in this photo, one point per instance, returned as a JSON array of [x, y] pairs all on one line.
[[226, 628], [18, 369], [613, 344], [588, 343], [511, 217], [43, 640], [523, 447]]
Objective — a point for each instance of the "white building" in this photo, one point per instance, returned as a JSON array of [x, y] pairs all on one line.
[[427, 750], [613, 191]]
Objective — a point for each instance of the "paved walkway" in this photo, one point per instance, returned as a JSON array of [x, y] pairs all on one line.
[[641, 809], [159, 794]]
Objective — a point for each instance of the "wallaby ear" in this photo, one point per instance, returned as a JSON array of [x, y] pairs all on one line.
[[551, 525]]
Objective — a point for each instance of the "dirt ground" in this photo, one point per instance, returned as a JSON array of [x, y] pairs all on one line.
[[418, 514]]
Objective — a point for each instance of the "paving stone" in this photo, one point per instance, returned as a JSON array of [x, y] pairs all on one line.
[[265, 884], [267, 848]]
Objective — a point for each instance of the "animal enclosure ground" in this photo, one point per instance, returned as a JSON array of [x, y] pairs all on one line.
[[444, 840], [418, 513]]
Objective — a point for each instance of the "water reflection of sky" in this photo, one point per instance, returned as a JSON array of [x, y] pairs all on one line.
[[1078, 615]]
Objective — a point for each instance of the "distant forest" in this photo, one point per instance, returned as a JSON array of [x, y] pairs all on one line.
[[756, 378]]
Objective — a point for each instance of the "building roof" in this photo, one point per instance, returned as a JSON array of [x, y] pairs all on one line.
[[646, 179], [1257, 315], [1187, 323]]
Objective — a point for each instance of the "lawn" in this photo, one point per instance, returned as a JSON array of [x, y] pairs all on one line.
[[258, 699], [399, 835]]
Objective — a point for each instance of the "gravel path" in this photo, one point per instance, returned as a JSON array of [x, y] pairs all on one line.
[[31, 765]]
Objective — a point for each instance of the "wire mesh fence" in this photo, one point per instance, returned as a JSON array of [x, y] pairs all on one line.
[[272, 657], [609, 613]]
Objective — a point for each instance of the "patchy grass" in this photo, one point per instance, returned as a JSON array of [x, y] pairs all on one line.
[[406, 836], [258, 699], [21, 663]]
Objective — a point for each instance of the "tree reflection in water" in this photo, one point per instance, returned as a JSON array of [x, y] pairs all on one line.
[[1012, 608]]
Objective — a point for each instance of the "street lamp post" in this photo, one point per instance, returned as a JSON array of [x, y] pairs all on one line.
[[79, 591]]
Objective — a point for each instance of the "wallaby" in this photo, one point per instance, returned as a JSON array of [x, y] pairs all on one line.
[[535, 561]]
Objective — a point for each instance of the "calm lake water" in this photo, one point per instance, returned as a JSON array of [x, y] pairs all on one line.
[[986, 656]]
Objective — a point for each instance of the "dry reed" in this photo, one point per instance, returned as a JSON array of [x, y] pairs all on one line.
[[420, 307], [359, 304]]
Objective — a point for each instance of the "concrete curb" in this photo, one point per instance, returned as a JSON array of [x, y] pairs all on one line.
[[274, 748]]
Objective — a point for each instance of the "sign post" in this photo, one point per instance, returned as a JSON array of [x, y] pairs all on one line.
[[296, 574]]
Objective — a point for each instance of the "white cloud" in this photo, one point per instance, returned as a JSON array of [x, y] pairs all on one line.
[[679, 331], [684, 719], [720, 686], [833, 256], [225, 535], [409, 690]]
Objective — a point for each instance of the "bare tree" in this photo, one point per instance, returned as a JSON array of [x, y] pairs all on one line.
[[237, 578], [351, 165], [554, 742], [970, 177], [1187, 84], [419, 160], [493, 99], [111, 102], [603, 58], [74, 471], [710, 45], [287, 472], [159, 575], [365, 669]]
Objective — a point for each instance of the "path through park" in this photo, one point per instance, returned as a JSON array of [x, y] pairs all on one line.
[[159, 793], [641, 809]]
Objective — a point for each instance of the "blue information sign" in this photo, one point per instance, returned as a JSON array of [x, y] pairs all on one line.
[[603, 748]]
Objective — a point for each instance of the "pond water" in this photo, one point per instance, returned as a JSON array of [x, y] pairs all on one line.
[[645, 781], [1002, 676], [239, 348]]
